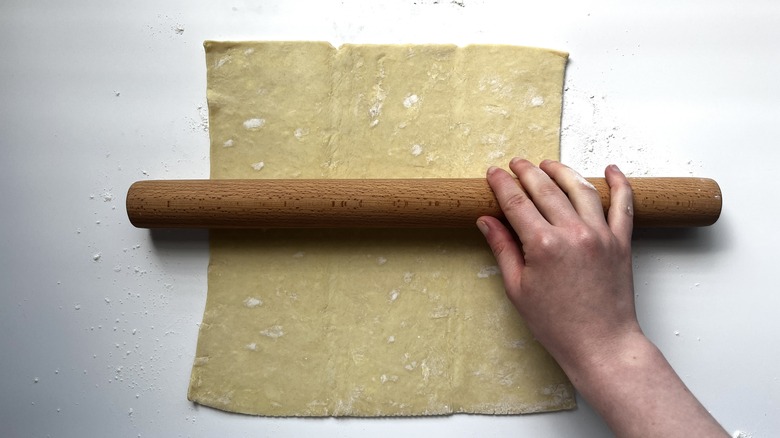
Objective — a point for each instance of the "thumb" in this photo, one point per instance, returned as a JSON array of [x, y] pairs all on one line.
[[506, 250]]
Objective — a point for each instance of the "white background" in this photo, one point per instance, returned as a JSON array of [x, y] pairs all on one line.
[[98, 320]]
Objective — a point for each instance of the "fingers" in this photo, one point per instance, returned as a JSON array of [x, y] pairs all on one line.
[[555, 194], [581, 193], [505, 249], [517, 206], [548, 197], [621, 207]]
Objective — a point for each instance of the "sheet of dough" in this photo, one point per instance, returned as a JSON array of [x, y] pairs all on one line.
[[371, 322]]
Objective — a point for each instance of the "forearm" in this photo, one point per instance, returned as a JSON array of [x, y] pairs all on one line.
[[638, 393]]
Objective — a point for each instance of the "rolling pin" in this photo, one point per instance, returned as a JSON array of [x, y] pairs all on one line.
[[384, 203]]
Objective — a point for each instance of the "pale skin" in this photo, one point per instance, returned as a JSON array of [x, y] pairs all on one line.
[[567, 269]]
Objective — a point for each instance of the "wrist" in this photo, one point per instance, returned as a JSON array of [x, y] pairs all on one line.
[[605, 359], [632, 386]]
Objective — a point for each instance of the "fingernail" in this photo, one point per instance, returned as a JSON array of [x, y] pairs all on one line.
[[483, 227], [514, 160], [614, 167], [491, 170]]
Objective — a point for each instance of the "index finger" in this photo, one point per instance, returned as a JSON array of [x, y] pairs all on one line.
[[548, 197], [518, 208]]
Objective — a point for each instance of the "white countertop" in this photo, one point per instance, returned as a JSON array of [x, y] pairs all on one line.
[[98, 320]]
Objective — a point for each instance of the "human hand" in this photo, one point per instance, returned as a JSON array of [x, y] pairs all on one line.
[[570, 273], [570, 277]]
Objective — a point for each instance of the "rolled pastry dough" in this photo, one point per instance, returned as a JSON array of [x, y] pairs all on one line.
[[371, 322]]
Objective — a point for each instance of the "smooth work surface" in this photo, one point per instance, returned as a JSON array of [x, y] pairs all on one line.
[[98, 319]]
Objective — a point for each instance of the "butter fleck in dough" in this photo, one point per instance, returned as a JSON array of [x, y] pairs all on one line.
[[371, 322]]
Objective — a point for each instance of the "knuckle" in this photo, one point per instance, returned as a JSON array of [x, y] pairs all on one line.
[[499, 248], [547, 242], [623, 186], [516, 201], [582, 239], [544, 244], [550, 189], [586, 237]]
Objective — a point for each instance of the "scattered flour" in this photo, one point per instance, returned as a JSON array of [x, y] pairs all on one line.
[[223, 60], [253, 302], [492, 155], [496, 85], [273, 332], [488, 271], [253, 124], [228, 143], [258, 166], [384, 378], [583, 181], [379, 100], [417, 150], [299, 133], [201, 123], [375, 110], [593, 135], [411, 100]]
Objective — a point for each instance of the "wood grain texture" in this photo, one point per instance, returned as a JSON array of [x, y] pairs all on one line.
[[384, 203]]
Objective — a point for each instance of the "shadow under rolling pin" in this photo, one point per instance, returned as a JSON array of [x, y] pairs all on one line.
[[384, 203]]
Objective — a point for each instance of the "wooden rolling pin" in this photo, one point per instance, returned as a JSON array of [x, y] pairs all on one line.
[[384, 203]]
